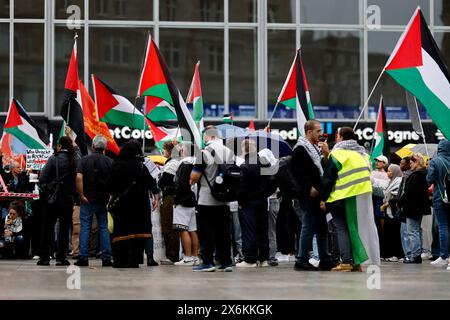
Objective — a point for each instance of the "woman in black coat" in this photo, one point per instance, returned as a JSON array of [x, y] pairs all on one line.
[[414, 204], [61, 164], [131, 181]]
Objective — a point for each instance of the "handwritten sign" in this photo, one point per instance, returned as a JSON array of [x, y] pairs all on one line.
[[37, 158]]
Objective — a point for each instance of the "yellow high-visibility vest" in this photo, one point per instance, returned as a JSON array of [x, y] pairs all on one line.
[[353, 177]]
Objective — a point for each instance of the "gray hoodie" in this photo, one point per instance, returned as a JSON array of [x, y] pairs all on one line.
[[437, 169]]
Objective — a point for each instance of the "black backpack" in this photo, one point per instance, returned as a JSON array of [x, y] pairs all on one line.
[[285, 178], [225, 185]]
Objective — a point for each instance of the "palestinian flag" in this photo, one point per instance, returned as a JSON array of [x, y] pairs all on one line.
[[158, 110], [380, 145], [362, 231], [295, 93], [114, 108], [19, 124], [161, 134], [227, 118], [91, 122], [195, 97], [71, 110], [156, 82], [417, 64]]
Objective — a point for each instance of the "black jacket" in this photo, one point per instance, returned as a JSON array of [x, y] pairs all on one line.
[[305, 172], [414, 200], [251, 184], [132, 218], [183, 193], [66, 173]]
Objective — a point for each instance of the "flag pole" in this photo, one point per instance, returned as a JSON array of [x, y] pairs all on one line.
[[368, 98], [375, 128], [273, 114], [421, 128], [137, 96], [68, 110]]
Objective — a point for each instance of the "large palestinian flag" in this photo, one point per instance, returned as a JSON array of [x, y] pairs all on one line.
[[295, 93], [161, 134], [91, 122], [417, 64], [380, 138], [71, 110], [158, 110], [19, 124], [156, 82], [114, 108], [195, 97]]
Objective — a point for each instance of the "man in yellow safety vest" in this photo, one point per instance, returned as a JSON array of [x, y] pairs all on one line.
[[347, 190]]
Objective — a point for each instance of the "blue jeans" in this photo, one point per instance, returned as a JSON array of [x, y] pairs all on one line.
[[441, 213], [274, 207], [236, 233], [86, 212], [404, 239], [313, 223], [315, 254], [415, 237]]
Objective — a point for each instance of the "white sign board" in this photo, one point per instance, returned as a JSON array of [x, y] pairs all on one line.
[[37, 158]]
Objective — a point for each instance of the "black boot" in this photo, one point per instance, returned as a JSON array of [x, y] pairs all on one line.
[[151, 262]]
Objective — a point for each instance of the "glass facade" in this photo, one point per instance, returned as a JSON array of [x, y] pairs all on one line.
[[245, 47]]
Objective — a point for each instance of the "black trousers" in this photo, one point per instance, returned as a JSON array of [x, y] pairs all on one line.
[[254, 219], [213, 224], [128, 253], [36, 227], [63, 212], [288, 226], [171, 236], [392, 239]]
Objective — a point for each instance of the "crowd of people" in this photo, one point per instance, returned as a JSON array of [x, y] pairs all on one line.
[[322, 207]]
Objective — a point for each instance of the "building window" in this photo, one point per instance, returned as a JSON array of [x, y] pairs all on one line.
[[102, 7], [4, 40], [341, 60], [330, 78], [116, 50], [273, 66], [271, 15], [121, 8], [171, 8], [211, 10], [328, 59], [251, 12], [172, 54], [215, 56]]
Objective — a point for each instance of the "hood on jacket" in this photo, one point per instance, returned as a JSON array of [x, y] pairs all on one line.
[[444, 148]]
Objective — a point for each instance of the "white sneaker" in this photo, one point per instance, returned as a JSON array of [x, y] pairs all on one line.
[[393, 259], [244, 264], [197, 261], [439, 262], [283, 258], [314, 262], [448, 268], [263, 264], [35, 257], [292, 258], [185, 262], [426, 255]]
